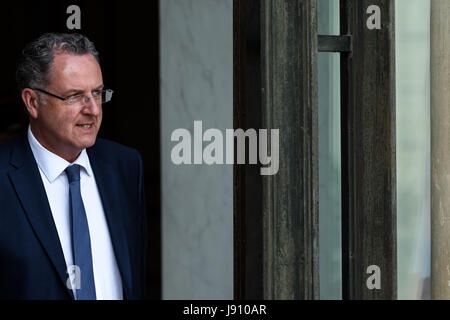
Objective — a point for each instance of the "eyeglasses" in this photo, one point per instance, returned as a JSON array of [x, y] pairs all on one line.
[[100, 96]]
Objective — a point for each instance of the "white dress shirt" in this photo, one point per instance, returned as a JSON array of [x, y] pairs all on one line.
[[108, 283]]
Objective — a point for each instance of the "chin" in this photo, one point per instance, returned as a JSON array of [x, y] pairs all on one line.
[[90, 144], [87, 143]]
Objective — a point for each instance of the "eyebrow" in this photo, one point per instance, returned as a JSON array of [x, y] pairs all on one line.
[[76, 91]]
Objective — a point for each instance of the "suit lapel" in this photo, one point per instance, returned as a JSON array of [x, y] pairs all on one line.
[[108, 186], [27, 182]]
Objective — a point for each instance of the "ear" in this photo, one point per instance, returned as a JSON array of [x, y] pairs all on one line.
[[31, 100]]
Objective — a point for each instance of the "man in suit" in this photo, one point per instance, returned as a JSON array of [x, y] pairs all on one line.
[[72, 211]]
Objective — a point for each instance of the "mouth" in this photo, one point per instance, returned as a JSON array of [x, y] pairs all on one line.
[[85, 126]]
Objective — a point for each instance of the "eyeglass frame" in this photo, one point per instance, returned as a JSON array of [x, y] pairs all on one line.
[[65, 99]]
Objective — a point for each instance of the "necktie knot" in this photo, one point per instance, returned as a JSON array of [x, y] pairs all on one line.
[[73, 173]]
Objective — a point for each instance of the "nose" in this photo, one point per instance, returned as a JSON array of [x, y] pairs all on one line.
[[91, 106]]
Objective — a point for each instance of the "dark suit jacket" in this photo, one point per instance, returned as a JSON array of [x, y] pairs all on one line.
[[32, 264]]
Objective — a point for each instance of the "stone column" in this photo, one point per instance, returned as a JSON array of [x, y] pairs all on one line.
[[196, 200], [440, 149]]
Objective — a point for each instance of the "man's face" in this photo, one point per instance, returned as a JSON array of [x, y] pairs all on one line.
[[67, 129]]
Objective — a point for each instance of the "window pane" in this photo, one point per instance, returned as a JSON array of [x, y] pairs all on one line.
[[329, 157], [413, 148]]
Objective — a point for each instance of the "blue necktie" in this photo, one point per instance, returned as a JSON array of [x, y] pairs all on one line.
[[81, 242]]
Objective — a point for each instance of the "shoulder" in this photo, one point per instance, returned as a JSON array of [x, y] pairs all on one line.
[[7, 147], [112, 151], [125, 162]]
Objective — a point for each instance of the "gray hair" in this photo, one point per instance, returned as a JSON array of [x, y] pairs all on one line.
[[37, 57]]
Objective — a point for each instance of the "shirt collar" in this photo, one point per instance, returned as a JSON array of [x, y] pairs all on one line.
[[53, 165]]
